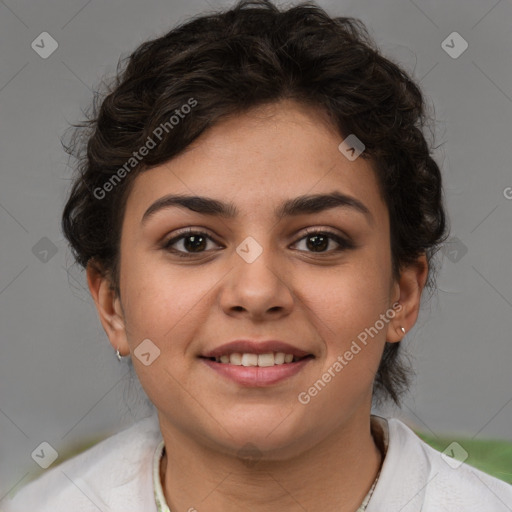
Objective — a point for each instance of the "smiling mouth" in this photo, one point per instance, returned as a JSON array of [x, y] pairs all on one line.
[[269, 359]]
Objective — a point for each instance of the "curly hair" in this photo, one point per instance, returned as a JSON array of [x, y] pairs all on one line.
[[225, 63]]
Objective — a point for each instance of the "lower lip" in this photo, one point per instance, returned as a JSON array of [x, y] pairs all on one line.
[[257, 376]]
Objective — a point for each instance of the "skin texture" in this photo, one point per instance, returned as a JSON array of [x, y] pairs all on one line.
[[319, 456]]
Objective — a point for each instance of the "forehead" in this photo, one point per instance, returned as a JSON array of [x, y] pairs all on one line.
[[258, 159]]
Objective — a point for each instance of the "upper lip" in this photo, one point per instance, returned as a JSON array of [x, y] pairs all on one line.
[[255, 347]]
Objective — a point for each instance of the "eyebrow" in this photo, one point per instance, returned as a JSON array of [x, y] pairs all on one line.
[[301, 205]]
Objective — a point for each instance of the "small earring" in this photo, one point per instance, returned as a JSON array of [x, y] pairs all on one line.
[[403, 330], [118, 355]]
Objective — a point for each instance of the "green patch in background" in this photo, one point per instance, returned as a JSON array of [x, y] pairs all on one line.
[[493, 457]]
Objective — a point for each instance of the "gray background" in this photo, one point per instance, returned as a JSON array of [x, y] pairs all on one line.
[[59, 379]]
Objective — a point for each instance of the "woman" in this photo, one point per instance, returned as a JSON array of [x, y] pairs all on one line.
[[257, 211]]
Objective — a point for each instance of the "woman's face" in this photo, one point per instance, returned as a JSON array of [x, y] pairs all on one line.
[[257, 275]]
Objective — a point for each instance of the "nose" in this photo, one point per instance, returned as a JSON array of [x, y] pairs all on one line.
[[260, 288]]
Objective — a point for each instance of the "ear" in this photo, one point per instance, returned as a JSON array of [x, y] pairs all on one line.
[[109, 307], [407, 293]]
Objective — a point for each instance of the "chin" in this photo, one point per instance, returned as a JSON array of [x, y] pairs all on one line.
[[262, 439]]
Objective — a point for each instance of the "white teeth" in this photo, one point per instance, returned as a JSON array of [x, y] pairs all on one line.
[[263, 360], [249, 360], [266, 359], [235, 359], [279, 358]]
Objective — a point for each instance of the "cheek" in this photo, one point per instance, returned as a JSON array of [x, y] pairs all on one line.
[[348, 298], [347, 303], [346, 319], [165, 305], [161, 300]]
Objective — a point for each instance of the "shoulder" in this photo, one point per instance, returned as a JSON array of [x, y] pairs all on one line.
[[415, 476], [114, 474]]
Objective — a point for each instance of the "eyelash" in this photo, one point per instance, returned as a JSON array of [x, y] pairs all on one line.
[[344, 244]]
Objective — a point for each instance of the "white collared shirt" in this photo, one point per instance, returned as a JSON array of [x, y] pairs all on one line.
[[117, 475]]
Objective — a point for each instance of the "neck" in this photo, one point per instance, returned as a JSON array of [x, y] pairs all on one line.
[[333, 476]]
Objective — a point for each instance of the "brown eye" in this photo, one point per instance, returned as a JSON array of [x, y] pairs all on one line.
[[192, 242], [320, 241]]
